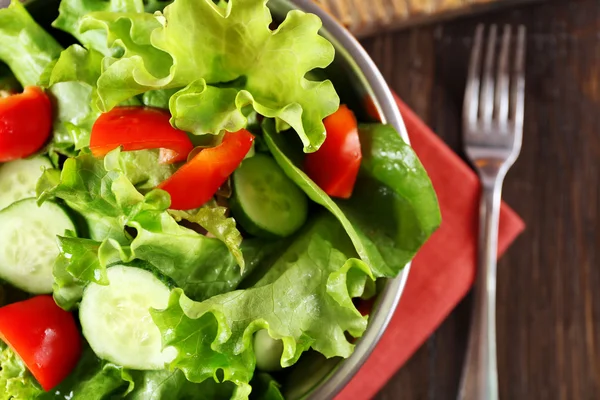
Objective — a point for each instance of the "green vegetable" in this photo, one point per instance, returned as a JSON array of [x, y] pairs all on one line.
[[158, 98], [268, 351], [115, 318], [168, 385], [16, 382], [265, 201], [394, 209], [94, 379], [76, 266], [213, 218], [225, 58], [264, 387], [72, 12], [306, 304], [142, 168], [26, 47]]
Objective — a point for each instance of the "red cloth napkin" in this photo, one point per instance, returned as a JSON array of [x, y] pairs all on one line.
[[443, 271]]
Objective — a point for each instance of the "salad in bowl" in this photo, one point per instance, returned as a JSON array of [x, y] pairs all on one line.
[[187, 208]]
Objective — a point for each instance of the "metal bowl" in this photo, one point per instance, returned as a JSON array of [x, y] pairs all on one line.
[[356, 78]]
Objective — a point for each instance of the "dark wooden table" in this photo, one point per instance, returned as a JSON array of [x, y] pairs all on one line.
[[549, 281]]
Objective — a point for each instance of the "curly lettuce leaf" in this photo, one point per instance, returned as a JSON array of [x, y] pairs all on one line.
[[26, 47], [167, 385], [88, 186], [71, 13], [227, 58], [142, 168], [16, 382], [95, 379], [213, 218], [264, 387], [307, 305], [393, 210]]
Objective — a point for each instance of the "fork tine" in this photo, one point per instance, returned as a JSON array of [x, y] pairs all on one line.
[[471, 102], [502, 79], [518, 84], [487, 91]]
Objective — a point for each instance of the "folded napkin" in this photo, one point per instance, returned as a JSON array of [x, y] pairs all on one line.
[[443, 271]]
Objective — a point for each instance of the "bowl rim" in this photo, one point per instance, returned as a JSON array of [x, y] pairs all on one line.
[[387, 301]]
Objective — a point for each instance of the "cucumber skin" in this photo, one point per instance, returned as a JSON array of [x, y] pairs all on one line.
[[245, 222], [146, 266]]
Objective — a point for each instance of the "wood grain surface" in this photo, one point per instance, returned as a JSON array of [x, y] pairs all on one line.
[[549, 281]]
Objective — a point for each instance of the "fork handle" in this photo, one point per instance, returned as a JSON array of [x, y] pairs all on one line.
[[480, 372]]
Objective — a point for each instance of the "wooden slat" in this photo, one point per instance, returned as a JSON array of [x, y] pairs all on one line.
[[366, 17]]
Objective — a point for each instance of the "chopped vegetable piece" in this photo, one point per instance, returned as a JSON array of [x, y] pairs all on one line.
[[28, 245], [116, 322], [45, 337], [25, 123], [197, 181], [139, 128], [266, 202], [334, 167]]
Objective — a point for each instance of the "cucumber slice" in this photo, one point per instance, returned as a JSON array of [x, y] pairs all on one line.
[[116, 320], [28, 244], [265, 201], [18, 179]]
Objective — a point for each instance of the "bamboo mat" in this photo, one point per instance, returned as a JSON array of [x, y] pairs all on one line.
[[366, 17]]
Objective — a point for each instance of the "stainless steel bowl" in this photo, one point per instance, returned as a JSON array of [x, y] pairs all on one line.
[[356, 78]]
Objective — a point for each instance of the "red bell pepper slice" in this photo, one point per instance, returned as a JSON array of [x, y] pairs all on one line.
[[45, 337], [334, 167], [139, 128], [25, 123], [197, 181]]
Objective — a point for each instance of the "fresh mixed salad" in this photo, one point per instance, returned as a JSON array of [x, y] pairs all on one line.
[[185, 207]]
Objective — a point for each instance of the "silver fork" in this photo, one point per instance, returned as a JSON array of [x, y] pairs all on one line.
[[492, 132]]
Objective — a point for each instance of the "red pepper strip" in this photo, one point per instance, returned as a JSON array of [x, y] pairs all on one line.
[[45, 337], [334, 167], [25, 123], [198, 180], [139, 128]]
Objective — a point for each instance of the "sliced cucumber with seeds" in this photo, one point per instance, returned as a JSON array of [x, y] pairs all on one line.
[[28, 245], [265, 201], [18, 179], [116, 319]]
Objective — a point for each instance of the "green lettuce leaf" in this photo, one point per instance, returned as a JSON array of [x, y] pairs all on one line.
[[158, 98], [168, 385], [306, 304], [26, 47], [394, 208], [226, 58], [94, 379], [264, 387], [142, 168], [16, 382], [86, 187], [213, 218], [76, 265], [71, 13]]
